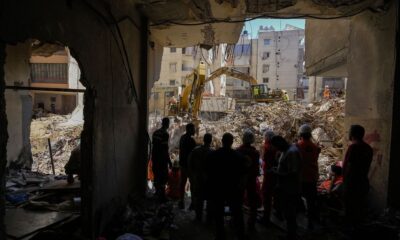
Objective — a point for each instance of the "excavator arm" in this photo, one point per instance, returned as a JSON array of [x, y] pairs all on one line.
[[232, 73]]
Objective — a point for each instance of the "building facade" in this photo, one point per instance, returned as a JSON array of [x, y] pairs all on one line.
[[280, 57], [59, 70], [176, 64]]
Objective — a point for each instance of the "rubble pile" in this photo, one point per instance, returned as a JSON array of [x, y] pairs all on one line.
[[64, 136], [284, 118]]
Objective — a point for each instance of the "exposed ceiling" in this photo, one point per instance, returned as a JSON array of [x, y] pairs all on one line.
[[189, 22]]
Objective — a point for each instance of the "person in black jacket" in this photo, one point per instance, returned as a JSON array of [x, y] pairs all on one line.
[[160, 158], [186, 145], [227, 169]]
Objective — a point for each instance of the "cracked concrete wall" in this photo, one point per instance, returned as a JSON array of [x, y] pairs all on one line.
[[361, 48], [18, 105], [114, 143], [371, 68]]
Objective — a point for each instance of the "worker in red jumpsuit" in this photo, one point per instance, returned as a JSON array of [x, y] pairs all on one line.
[[253, 171], [309, 152], [270, 162], [356, 166]]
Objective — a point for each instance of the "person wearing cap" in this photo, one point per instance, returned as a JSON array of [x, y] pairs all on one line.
[[356, 166], [310, 174], [186, 145], [253, 171], [197, 168], [226, 171], [270, 162], [160, 158], [289, 182], [327, 92]]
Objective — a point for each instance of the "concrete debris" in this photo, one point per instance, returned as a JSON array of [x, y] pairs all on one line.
[[284, 118], [64, 136], [147, 219]]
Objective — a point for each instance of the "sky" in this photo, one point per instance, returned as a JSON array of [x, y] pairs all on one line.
[[253, 25]]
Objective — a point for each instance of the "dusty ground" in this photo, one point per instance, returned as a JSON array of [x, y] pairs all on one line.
[[187, 228]]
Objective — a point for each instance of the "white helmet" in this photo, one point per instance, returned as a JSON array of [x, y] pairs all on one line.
[[305, 128]]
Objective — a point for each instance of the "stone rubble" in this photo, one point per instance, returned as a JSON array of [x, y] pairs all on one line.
[[64, 137], [284, 118]]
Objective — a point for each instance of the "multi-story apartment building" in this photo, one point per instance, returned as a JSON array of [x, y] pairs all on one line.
[[274, 58], [59, 70], [176, 64], [280, 56], [240, 61]]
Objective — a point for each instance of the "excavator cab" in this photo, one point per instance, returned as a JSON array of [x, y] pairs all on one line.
[[260, 92]]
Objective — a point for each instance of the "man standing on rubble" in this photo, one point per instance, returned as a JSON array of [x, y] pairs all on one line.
[[253, 171], [269, 180], [310, 174], [226, 179], [289, 182], [356, 166], [160, 158], [186, 145], [197, 167]]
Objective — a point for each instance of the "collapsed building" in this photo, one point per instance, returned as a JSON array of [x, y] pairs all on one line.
[[118, 47]]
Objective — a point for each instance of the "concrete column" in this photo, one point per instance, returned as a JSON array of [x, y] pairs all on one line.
[[371, 65], [311, 88], [18, 104]]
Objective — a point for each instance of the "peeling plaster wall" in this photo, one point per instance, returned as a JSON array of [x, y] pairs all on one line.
[[114, 143], [18, 105], [371, 67]]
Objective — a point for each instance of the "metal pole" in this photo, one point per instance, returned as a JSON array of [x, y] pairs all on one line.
[[45, 89], [51, 157]]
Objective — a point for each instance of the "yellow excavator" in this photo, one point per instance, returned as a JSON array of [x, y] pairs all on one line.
[[190, 101], [259, 92]]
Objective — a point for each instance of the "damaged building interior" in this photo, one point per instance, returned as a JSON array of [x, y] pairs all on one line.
[[117, 48]]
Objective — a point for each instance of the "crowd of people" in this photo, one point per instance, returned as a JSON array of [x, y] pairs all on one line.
[[228, 177]]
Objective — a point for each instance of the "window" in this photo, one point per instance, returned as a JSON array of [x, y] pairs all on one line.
[[172, 82], [186, 66], [267, 42], [265, 55], [183, 50], [172, 67], [169, 94], [172, 50], [265, 68], [49, 72], [265, 80]]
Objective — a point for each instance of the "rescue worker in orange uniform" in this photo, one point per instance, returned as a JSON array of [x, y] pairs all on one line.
[[253, 171], [327, 92], [310, 174]]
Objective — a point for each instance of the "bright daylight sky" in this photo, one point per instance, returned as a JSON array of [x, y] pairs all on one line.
[[253, 26]]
